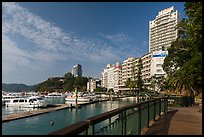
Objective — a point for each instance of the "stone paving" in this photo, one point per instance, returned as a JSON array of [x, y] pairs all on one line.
[[178, 121]]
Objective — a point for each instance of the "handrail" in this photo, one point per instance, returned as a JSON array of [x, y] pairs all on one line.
[[98, 118], [84, 125], [73, 129]]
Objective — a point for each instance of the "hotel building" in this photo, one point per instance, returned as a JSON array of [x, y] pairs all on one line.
[[162, 30]]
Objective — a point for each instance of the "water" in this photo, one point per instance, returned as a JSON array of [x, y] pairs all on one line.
[[40, 124]]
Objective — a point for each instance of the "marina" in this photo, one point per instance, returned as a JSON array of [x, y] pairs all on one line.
[[40, 124]]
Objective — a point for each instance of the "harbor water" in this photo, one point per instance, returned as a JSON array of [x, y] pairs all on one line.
[[40, 124]]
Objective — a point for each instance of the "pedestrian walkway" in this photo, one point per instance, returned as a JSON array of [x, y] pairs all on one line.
[[178, 121]]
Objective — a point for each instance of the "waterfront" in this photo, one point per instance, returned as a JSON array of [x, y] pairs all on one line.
[[40, 125]]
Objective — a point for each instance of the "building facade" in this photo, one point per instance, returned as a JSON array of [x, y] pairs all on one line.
[[146, 68], [108, 76], [162, 30], [117, 77], [157, 60], [77, 71], [92, 84]]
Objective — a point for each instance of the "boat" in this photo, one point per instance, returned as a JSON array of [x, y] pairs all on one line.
[[54, 95], [29, 102], [80, 99], [7, 98]]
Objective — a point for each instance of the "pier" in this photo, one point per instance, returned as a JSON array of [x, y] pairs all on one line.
[[33, 113]]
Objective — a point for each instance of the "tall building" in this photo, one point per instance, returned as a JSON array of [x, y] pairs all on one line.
[[117, 77], [162, 29], [77, 71], [108, 77], [146, 68]]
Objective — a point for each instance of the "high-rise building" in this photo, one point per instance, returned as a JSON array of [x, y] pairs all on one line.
[[117, 77], [162, 30], [108, 77], [77, 71]]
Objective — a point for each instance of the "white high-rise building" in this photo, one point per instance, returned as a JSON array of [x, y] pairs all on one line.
[[162, 30], [108, 77], [117, 77], [77, 71]]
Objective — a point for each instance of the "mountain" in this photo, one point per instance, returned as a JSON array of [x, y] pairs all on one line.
[[18, 87]]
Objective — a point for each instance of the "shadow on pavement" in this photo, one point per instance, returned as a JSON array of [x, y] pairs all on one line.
[[161, 127]]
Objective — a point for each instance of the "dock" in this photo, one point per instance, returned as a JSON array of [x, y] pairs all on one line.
[[33, 113]]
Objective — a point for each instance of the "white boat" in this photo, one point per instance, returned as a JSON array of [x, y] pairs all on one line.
[[7, 98], [29, 102], [55, 95], [80, 99]]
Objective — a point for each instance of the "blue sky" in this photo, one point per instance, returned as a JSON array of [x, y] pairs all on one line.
[[45, 39]]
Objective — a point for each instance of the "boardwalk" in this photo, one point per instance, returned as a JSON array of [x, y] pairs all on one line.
[[178, 121]]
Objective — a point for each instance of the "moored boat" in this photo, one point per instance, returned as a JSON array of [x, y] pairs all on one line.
[[29, 102], [55, 95]]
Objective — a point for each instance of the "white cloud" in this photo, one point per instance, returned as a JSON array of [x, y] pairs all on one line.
[[120, 37], [50, 42]]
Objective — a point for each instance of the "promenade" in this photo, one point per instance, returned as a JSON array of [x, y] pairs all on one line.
[[178, 121]]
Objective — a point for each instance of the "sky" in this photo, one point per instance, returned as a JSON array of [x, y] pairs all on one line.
[[46, 39]]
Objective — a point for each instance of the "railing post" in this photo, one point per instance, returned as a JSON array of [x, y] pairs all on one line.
[[155, 109], [164, 105], [91, 130], [160, 107], [139, 120], [122, 122], [148, 114], [124, 117]]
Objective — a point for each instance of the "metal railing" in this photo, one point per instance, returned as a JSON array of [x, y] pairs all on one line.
[[127, 120]]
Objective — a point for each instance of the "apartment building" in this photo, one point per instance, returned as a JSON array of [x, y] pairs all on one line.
[[117, 77], [162, 30], [146, 68], [108, 77], [92, 84]]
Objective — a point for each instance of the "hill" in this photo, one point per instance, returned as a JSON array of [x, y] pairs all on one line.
[[18, 87]]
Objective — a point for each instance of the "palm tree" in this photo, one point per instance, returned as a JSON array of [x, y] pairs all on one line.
[[130, 84]]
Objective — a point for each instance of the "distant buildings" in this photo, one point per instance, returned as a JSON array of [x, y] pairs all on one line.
[[162, 31], [77, 71], [92, 84]]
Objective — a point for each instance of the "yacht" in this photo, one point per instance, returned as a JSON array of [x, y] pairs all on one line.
[[82, 98], [7, 98], [29, 102], [55, 95]]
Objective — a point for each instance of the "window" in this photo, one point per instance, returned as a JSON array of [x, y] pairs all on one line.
[[159, 70], [15, 101], [21, 100], [158, 65]]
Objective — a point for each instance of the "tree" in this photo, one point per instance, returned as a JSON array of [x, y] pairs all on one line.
[[139, 81], [183, 65], [130, 84]]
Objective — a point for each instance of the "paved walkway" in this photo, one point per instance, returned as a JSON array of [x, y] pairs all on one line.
[[178, 121]]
